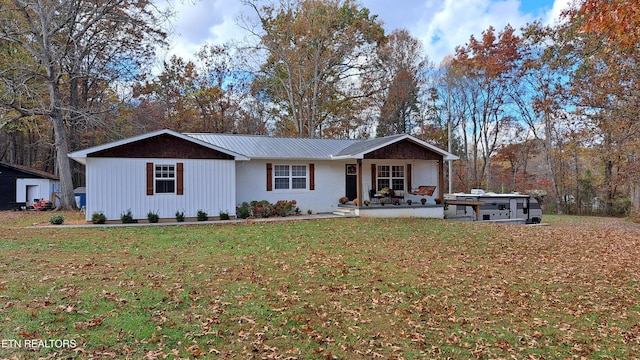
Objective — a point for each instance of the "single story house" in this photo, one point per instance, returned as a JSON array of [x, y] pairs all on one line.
[[20, 186], [166, 171]]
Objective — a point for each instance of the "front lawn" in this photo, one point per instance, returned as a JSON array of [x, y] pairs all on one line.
[[343, 288]]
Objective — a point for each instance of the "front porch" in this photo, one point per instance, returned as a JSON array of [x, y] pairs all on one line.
[[433, 211]]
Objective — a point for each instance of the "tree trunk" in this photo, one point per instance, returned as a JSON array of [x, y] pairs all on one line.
[[67, 199]]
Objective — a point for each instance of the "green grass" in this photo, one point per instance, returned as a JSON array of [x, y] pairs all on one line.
[[349, 288]]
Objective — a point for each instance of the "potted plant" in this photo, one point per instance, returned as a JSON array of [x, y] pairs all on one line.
[[395, 201], [384, 191], [409, 202], [367, 202], [423, 200], [356, 202], [343, 200], [383, 201]]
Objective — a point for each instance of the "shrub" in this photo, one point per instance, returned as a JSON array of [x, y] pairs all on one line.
[[56, 219], [223, 215], [179, 216], [126, 217], [243, 211], [284, 207], [309, 212], [202, 215], [153, 217], [261, 208], [98, 217]]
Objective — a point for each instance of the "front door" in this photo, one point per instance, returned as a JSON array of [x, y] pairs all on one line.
[[351, 185]]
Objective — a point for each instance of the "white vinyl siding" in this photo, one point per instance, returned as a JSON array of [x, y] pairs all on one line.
[[115, 185]]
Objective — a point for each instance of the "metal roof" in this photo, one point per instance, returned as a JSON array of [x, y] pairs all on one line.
[[245, 147], [265, 147], [365, 146]]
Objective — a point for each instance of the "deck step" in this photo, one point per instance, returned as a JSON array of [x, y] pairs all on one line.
[[342, 211]]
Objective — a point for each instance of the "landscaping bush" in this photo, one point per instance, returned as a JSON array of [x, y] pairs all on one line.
[[284, 207], [127, 217], [202, 215], [98, 217], [223, 215], [56, 219], [153, 217], [243, 211], [262, 209], [179, 216]]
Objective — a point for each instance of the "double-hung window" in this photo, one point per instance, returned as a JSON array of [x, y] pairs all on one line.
[[165, 179], [290, 177], [391, 176]]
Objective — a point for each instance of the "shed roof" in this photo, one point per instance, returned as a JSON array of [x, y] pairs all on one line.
[[30, 171]]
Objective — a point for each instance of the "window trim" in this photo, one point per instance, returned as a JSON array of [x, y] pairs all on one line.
[[274, 176], [391, 169], [171, 169], [178, 178]]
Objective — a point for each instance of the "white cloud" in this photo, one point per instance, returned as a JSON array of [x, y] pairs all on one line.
[[456, 20], [204, 21]]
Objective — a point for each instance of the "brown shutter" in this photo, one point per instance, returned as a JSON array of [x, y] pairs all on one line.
[[408, 178], [149, 178], [374, 173], [180, 178], [269, 177], [312, 177]]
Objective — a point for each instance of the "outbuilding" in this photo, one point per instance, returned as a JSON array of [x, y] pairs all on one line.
[[21, 186]]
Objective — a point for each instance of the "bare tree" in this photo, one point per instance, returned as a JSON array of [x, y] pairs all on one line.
[[64, 54]]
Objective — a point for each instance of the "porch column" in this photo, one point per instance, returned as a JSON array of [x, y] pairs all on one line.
[[441, 179], [359, 183]]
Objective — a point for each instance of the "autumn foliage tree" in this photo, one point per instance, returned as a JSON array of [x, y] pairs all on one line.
[[403, 80], [605, 45], [316, 54], [485, 67]]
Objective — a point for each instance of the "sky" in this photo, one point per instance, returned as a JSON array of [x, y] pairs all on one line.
[[441, 25]]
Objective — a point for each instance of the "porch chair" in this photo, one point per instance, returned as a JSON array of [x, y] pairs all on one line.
[[398, 194], [375, 197]]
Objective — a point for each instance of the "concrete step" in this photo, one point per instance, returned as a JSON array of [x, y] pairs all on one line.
[[341, 211]]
